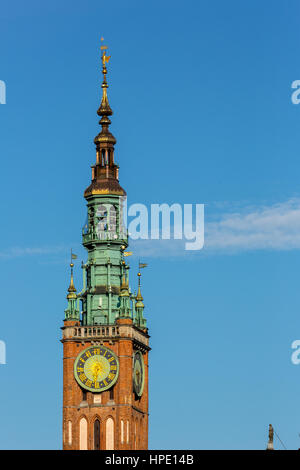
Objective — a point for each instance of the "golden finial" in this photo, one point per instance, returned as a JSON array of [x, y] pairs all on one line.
[[124, 282], [105, 109], [139, 296], [124, 286], [72, 288]]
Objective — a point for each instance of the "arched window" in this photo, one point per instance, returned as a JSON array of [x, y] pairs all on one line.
[[97, 435], [112, 218], [83, 434], [122, 431], [110, 434], [102, 215], [128, 439], [103, 158], [70, 433]]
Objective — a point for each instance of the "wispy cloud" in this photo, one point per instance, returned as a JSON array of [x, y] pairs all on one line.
[[266, 227], [275, 227], [17, 251]]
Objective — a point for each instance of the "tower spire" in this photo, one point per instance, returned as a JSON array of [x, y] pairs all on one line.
[[72, 289], [105, 173], [139, 305], [72, 310], [139, 296], [105, 109]]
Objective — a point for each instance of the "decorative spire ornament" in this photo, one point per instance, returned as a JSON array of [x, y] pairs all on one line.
[[105, 109], [72, 290], [139, 296], [139, 305], [72, 310], [105, 173]]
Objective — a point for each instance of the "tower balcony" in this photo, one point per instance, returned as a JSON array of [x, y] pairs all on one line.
[[107, 333], [104, 236]]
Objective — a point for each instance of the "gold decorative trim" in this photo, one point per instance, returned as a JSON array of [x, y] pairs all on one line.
[[104, 191]]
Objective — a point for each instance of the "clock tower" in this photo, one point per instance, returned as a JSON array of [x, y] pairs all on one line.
[[106, 341]]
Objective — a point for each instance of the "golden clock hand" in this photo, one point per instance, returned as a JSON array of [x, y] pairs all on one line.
[[97, 370]]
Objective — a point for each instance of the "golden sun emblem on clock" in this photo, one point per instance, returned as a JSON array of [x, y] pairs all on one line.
[[95, 369]]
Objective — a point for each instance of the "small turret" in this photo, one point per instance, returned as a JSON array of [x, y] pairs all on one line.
[[139, 306], [125, 310], [72, 311]]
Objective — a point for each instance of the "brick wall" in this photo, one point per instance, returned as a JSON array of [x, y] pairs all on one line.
[[125, 406]]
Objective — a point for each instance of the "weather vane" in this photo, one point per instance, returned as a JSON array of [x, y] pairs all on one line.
[[104, 110], [104, 57]]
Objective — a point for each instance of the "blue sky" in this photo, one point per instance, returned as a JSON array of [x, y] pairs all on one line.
[[201, 93]]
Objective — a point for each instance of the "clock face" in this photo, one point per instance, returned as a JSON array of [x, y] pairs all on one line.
[[96, 368], [138, 373]]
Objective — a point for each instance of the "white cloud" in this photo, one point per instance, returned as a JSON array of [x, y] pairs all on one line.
[[16, 252], [273, 227]]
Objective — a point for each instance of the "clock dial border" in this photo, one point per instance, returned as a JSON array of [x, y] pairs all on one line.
[[86, 387]]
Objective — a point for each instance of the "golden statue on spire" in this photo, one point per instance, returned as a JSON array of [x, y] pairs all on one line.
[[105, 58]]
